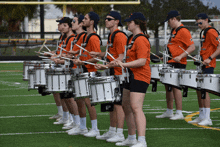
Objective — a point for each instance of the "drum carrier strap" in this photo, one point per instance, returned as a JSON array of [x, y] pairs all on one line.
[[173, 36], [202, 39], [67, 40], [78, 37], [110, 44], [85, 42]]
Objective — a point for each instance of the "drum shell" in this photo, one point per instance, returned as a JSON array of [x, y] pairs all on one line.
[[209, 82], [188, 78], [32, 78], [170, 77], [103, 89], [155, 69], [40, 74], [58, 80]]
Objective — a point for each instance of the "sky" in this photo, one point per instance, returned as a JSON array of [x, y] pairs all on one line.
[[57, 13]]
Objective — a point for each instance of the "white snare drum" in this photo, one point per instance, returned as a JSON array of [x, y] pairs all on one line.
[[28, 65], [31, 77], [103, 89], [170, 76], [155, 68], [57, 80], [209, 82], [40, 74], [81, 85], [188, 78]]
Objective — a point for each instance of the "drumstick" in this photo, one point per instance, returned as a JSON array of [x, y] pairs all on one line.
[[63, 49], [101, 60], [47, 48], [48, 53], [82, 48], [115, 60], [191, 56], [42, 45], [155, 55], [43, 57], [166, 55]]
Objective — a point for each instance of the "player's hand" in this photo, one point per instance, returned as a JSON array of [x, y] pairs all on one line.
[[206, 62], [177, 59], [100, 66], [94, 54]]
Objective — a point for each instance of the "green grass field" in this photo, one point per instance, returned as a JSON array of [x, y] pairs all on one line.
[[24, 118]]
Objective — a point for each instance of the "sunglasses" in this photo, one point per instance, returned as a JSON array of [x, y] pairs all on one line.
[[109, 19], [74, 21], [200, 23]]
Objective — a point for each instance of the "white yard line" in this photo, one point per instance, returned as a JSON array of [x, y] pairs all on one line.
[[29, 104]]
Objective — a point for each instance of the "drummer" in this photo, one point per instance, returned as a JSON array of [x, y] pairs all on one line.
[[180, 38], [90, 21], [112, 21], [138, 62], [210, 48], [67, 29], [57, 95]]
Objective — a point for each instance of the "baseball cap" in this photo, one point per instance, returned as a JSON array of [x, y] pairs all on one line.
[[64, 20], [135, 15], [95, 17], [115, 15], [202, 16], [80, 18], [172, 14]]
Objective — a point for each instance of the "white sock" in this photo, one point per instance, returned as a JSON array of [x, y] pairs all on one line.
[[112, 129], [178, 111], [170, 111], [77, 119], [60, 110], [65, 114], [119, 130], [141, 139], [73, 117], [201, 113], [207, 113], [132, 137], [94, 124], [82, 122]]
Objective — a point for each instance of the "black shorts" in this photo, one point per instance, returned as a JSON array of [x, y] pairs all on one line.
[[136, 85], [178, 65], [208, 70]]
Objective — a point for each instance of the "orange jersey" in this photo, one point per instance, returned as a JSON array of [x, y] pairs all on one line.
[[79, 42], [183, 39], [62, 39], [119, 43], [140, 49], [67, 45], [209, 46], [92, 45]]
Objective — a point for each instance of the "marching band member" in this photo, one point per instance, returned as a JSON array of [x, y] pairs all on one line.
[[180, 37], [90, 21], [137, 60], [67, 29], [118, 40], [57, 95], [210, 48]]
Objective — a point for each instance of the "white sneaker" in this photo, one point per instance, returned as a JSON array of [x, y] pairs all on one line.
[[118, 137], [165, 115], [58, 119], [92, 133], [62, 121], [106, 135], [77, 131], [205, 122], [69, 125], [70, 122], [56, 116], [195, 121], [127, 142], [140, 144], [177, 116]]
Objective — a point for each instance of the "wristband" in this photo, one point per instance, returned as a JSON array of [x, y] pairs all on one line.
[[210, 57]]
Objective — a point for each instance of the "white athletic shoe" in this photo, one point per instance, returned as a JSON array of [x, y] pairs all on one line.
[[177, 116], [106, 135], [127, 142], [69, 125], [92, 133], [205, 122], [165, 115], [118, 137], [56, 116], [62, 121], [58, 119], [140, 144], [195, 121], [77, 131]]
